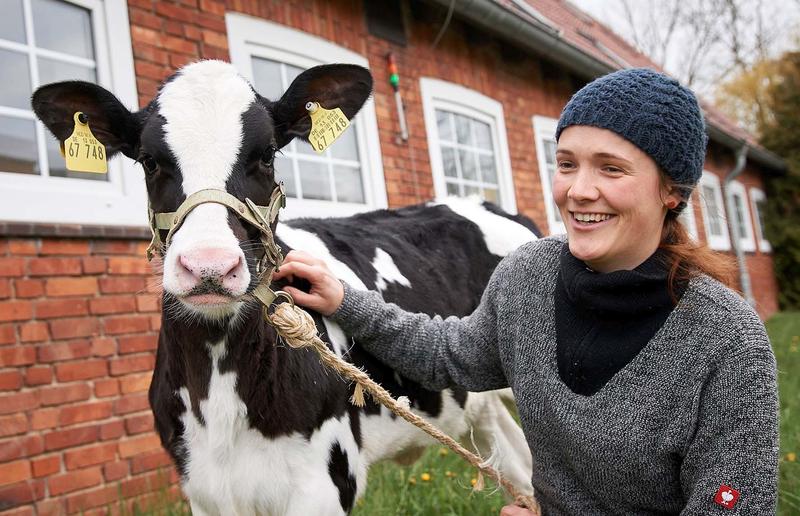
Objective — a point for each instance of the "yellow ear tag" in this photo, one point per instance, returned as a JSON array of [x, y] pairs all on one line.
[[326, 126], [82, 150]]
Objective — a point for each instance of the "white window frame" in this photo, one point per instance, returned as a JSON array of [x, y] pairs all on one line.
[[716, 242], [544, 128], [120, 201], [254, 37], [688, 219], [757, 195], [438, 94], [748, 242]]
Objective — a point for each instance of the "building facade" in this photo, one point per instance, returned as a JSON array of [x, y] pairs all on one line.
[[482, 83]]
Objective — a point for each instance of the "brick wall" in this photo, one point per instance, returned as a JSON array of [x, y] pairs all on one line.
[[78, 325]]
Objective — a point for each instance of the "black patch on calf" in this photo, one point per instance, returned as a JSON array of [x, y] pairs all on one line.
[[345, 482]]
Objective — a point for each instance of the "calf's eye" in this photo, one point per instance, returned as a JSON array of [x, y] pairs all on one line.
[[268, 157]]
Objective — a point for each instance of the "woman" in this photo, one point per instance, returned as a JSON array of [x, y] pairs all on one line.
[[644, 385]]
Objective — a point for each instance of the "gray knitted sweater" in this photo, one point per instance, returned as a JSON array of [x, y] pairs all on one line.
[[696, 409]]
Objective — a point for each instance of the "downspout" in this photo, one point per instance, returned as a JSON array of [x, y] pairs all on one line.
[[730, 210]]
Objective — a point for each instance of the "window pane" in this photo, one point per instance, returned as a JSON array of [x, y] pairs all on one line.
[[483, 135], [550, 151], [452, 189], [51, 70], [471, 190], [348, 184], [291, 74], [58, 166], [283, 172], [491, 195], [741, 229], [449, 162], [760, 207], [711, 204], [18, 146], [463, 130], [305, 148], [468, 166], [488, 169], [443, 125], [346, 146], [267, 78], [63, 27], [314, 180], [12, 24], [17, 92]]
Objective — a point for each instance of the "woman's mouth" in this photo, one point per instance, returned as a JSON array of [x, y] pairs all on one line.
[[589, 220]]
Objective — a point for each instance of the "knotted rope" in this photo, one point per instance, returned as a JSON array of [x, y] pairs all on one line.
[[297, 328]]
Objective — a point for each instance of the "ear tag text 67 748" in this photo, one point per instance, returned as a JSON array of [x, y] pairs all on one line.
[[326, 125], [83, 152]]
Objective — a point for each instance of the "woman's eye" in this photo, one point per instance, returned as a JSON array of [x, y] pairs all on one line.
[[565, 165], [149, 164], [612, 169]]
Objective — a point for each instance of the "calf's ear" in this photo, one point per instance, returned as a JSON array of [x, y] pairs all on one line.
[[342, 86], [110, 121]]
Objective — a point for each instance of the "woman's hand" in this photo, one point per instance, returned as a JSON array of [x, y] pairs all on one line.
[[513, 510], [326, 292]]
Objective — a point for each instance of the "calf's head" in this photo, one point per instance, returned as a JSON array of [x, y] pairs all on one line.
[[206, 129]]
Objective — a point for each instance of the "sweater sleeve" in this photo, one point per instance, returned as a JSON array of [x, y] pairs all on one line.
[[735, 442], [436, 352]]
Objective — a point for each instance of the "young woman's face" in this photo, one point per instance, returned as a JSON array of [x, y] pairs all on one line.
[[610, 197]]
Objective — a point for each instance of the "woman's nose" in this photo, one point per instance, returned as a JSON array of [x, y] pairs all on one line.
[[583, 187]]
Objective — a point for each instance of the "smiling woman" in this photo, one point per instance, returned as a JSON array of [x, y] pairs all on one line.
[[644, 384]]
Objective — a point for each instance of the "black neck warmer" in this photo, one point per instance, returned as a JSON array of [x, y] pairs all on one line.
[[604, 320]]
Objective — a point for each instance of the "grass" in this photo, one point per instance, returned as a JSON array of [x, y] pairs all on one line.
[[440, 482]]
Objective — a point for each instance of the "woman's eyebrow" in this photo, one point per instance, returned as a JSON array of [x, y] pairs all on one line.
[[608, 155]]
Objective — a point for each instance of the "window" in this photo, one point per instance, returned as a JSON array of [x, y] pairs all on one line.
[[758, 201], [742, 227], [467, 143], [544, 131], [348, 177], [713, 212], [44, 41]]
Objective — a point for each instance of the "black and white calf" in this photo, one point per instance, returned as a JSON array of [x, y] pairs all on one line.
[[260, 428]]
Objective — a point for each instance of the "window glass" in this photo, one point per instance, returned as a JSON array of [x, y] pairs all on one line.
[[15, 93], [12, 23], [714, 223], [17, 146], [63, 27]]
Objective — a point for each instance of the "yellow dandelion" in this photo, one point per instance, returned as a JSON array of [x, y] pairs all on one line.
[[793, 348], [791, 456], [412, 481], [443, 452], [426, 477], [473, 481], [449, 474]]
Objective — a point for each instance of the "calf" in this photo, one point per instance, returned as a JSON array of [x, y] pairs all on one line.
[[255, 427]]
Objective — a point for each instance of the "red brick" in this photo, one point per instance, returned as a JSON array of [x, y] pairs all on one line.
[[13, 425], [215, 38], [68, 482], [12, 267], [210, 21], [103, 346], [137, 343], [71, 287], [17, 356], [84, 412], [53, 308], [178, 44], [93, 265], [19, 511], [155, 322], [72, 328], [81, 370], [144, 484], [21, 493], [138, 445], [192, 32], [5, 288], [7, 334], [131, 403], [126, 324], [60, 439], [156, 72], [145, 35], [46, 466], [122, 285], [144, 19], [10, 380], [152, 54], [112, 305], [22, 247], [139, 424], [18, 402], [132, 364], [106, 387], [54, 266], [90, 455], [34, 331], [15, 472], [101, 497], [174, 12], [135, 383], [212, 7], [115, 470], [151, 461], [27, 288], [112, 430], [38, 375], [148, 303], [59, 351], [44, 418], [114, 246], [15, 311], [70, 247], [20, 447], [52, 507], [60, 394]]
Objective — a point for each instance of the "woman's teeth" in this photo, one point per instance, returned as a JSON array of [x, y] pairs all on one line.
[[591, 217]]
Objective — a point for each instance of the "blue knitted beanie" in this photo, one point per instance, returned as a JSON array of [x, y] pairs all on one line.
[[652, 111]]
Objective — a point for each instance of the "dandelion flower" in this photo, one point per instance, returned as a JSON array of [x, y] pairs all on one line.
[[473, 481], [449, 474], [426, 477], [443, 451], [791, 456], [412, 481]]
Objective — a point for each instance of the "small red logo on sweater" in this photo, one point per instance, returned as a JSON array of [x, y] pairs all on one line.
[[726, 496]]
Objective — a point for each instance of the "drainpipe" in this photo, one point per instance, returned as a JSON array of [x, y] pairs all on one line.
[[730, 210]]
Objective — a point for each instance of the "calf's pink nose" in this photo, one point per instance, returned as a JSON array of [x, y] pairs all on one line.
[[211, 263]]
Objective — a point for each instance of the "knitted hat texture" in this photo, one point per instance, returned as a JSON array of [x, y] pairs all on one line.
[[652, 111]]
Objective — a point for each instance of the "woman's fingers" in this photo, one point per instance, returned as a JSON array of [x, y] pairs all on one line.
[[326, 291], [312, 273]]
